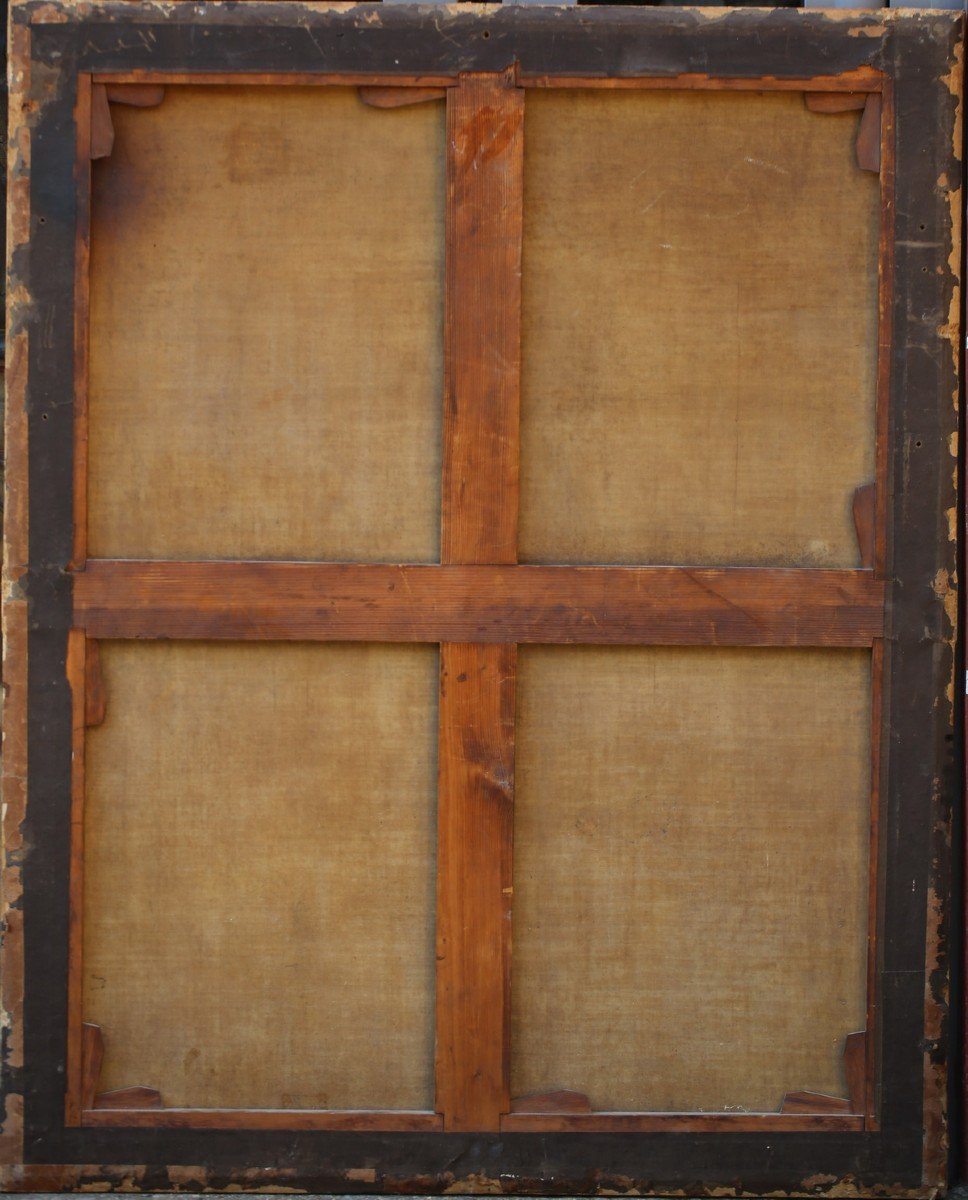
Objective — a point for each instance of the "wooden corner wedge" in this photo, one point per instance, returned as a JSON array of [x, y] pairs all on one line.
[[92, 1055], [129, 1097], [834, 102], [399, 97], [865, 509], [138, 95], [95, 698], [563, 1101], [813, 1102], [855, 1066], [869, 135], [102, 127]]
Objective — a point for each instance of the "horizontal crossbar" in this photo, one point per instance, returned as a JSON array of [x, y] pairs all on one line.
[[672, 606]]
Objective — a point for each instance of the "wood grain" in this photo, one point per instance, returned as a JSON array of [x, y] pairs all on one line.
[[474, 881], [92, 1055], [617, 1122], [480, 521], [855, 1063], [399, 97], [813, 1102], [139, 95], [861, 79], [864, 508], [881, 125], [594, 605], [485, 116], [885, 309], [128, 1098], [563, 1101], [879, 678], [834, 102], [479, 517], [102, 127], [95, 699], [272, 79], [83, 1041], [15, 621], [294, 1120], [869, 135], [855, 1053], [82, 295]]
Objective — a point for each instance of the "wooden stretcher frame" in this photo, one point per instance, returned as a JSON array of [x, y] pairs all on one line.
[[478, 603], [439, 604]]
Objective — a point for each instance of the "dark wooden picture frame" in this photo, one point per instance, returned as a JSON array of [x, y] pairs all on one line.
[[70, 65]]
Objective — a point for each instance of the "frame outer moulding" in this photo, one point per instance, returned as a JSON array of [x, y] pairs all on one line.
[[913, 58]]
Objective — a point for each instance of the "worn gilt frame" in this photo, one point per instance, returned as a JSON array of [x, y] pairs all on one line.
[[70, 62]]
